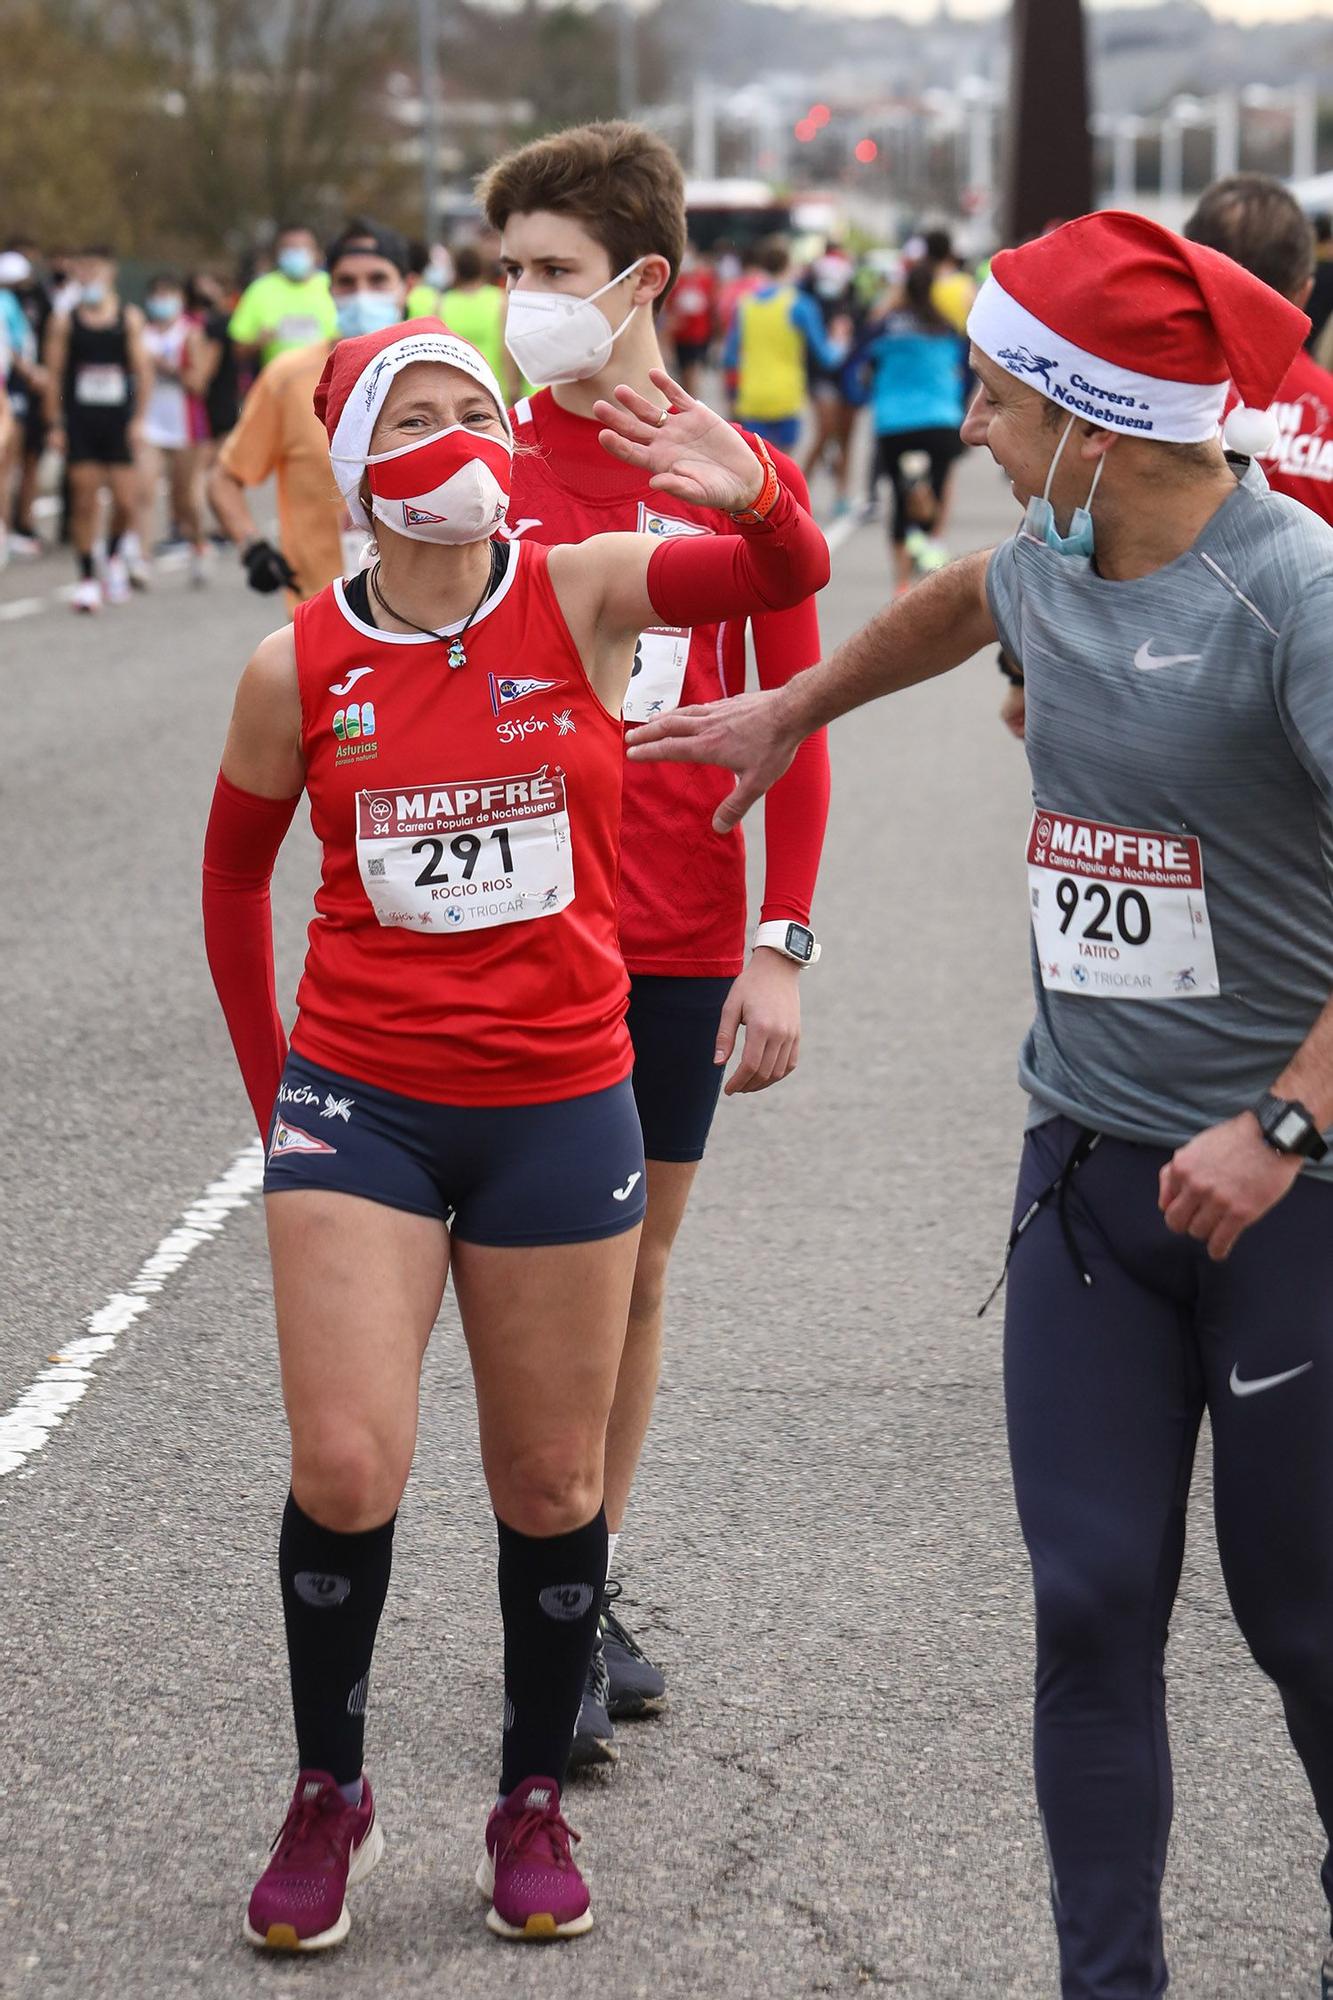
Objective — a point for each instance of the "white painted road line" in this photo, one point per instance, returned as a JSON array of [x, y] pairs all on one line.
[[22, 607], [26, 1426]]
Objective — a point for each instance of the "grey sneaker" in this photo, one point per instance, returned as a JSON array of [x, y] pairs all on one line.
[[594, 1734], [637, 1687]]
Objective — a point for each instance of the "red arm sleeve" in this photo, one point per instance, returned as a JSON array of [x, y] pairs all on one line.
[[240, 847], [695, 579], [796, 810]]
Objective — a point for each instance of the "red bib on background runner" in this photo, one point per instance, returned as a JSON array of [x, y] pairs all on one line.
[[466, 919]]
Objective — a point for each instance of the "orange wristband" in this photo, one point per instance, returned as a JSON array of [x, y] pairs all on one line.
[[758, 512]]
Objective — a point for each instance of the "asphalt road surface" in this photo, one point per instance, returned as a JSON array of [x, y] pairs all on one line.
[[822, 1553]]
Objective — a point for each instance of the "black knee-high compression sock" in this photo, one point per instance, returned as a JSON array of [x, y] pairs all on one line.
[[333, 1590], [550, 1599]]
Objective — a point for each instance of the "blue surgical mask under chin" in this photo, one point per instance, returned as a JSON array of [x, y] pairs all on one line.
[[296, 264], [1039, 519], [366, 312]]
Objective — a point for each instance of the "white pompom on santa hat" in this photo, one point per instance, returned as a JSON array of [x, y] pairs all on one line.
[[350, 393], [1127, 324]]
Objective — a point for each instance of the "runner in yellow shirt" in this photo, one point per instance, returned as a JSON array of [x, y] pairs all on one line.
[[288, 307], [279, 434]]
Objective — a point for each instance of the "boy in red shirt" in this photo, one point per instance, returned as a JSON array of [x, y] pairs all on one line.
[[593, 234], [1254, 221]]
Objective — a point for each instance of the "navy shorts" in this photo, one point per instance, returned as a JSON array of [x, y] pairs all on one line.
[[512, 1175], [673, 1025]]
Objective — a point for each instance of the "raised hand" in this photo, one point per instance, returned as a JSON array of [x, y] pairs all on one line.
[[688, 450]]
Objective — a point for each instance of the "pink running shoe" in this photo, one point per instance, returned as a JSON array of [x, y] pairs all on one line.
[[299, 1902], [528, 1871]]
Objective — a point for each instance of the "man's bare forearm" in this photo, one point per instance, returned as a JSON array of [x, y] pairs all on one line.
[[938, 625]]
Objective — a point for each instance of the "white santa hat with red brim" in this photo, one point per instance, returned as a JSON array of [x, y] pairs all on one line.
[[355, 382], [1125, 323]]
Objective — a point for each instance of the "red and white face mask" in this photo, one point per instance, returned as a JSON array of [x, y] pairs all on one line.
[[452, 487]]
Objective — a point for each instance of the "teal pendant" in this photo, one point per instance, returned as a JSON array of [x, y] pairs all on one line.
[[457, 656]]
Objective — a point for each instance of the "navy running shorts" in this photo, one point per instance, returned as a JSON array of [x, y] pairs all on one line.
[[673, 1025], [512, 1175]]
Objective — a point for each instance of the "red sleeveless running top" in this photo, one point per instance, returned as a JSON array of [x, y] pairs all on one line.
[[464, 944]]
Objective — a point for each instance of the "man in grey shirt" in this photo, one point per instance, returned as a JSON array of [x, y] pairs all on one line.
[[1173, 1229]]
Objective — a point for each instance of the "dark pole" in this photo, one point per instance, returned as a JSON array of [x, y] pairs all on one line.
[[1049, 174], [428, 37], [627, 59]]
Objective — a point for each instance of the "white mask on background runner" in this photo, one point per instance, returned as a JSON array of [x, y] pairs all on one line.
[[556, 338]]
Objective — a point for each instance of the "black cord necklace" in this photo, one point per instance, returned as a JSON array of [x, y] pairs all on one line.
[[457, 655]]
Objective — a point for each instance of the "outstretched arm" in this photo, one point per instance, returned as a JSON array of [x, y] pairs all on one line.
[[941, 623]]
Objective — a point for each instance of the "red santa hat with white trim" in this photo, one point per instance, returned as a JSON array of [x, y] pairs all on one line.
[[1127, 324], [350, 393]]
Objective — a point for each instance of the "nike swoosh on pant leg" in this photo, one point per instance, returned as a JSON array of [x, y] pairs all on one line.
[[1260, 1382]]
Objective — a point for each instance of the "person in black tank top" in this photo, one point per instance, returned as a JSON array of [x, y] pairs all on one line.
[[99, 377]]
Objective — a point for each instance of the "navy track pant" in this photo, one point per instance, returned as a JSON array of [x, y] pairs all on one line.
[[1105, 1388]]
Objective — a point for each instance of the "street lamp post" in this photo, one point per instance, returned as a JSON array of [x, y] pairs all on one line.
[[1226, 134], [1173, 159], [1125, 144], [1305, 131], [627, 59], [703, 148], [428, 35]]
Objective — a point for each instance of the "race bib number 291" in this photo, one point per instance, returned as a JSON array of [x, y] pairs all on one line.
[[467, 854], [1119, 912]]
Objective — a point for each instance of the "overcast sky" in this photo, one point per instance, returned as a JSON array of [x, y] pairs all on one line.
[[1235, 10]]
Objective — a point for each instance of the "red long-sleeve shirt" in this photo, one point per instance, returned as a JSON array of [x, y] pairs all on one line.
[[682, 907]]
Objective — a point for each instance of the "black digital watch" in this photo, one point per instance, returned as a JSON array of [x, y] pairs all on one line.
[[1288, 1127]]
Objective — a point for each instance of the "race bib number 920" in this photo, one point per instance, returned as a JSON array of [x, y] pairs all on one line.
[[1119, 912]]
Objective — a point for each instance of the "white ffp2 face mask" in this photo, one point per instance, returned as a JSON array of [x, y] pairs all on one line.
[[556, 338], [452, 487]]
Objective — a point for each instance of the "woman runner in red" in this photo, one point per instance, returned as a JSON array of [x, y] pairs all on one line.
[[456, 1095]]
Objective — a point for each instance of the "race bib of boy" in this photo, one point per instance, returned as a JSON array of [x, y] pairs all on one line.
[[1118, 912], [658, 673], [467, 855], [101, 386]]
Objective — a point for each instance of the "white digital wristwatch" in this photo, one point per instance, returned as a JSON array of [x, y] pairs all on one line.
[[796, 941]]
